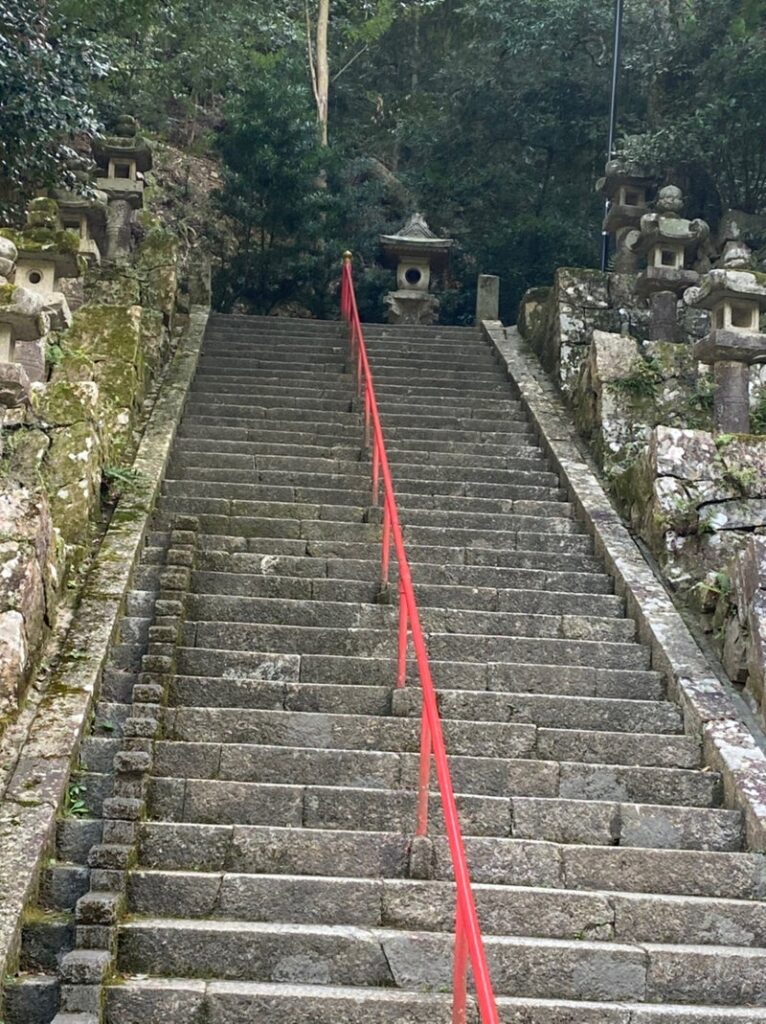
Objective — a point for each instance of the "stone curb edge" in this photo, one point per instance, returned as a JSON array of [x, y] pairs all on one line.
[[37, 786], [708, 710]]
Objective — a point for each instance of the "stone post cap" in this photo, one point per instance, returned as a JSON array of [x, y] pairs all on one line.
[[724, 346]]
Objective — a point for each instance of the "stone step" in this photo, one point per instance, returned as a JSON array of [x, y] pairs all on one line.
[[365, 642], [202, 482], [522, 458], [461, 711], [514, 445], [31, 999], [302, 587], [520, 966], [573, 782], [430, 906], [276, 469], [375, 808], [334, 552], [327, 383], [424, 574], [328, 683], [207, 607], [246, 455], [493, 860], [176, 1001], [316, 523], [508, 431]]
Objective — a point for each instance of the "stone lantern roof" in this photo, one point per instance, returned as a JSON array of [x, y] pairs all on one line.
[[416, 241], [718, 285], [124, 144], [625, 185]]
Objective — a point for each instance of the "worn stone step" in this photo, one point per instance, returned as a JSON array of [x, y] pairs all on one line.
[[521, 499], [507, 682], [211, 801], [560, 681], [175, 1001], [493, 860], [207, 607], [64, 883], [520, 966], [549, 801], [31, 999], [513, 445], [444, 391], [581, 745], [500, 432], [196, 452], [459, 709], [424, 573], [235, 636], [536, 602], [429, 906], [255, 689], [333, 552]]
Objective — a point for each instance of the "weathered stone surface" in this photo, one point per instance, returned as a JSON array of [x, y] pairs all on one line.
[[690, 493], [14, 386]]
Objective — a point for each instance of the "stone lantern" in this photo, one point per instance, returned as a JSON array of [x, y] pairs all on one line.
[[735, 300], [626, 188], [86, 216], [666, 241], [23, 322], [415, 252], [46, 253], [123, 159]]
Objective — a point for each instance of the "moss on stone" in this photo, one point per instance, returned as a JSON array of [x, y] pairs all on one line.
[[6, 294], [63, 402], [43, 240], [43, 212], [105, 332]]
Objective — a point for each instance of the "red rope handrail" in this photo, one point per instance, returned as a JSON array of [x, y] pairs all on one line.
[[469, 945]]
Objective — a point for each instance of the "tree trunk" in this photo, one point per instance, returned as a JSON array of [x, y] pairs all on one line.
[[323, 70]]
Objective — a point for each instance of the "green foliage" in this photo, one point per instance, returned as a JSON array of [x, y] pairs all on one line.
[[643, 380], [47, 73], [758, 415], [74, 800], [271, 193], [490, 118]]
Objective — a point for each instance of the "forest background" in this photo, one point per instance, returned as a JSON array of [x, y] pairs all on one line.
[[322, 123]]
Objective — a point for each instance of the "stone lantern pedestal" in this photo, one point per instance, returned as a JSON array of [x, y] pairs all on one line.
[[415, 252], [735, 300]]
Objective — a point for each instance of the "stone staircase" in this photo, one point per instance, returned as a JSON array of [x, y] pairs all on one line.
[[273, 878]]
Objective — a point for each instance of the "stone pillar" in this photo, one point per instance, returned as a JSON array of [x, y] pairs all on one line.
[[730, 400], [487, 298], [118, 235], [663, 323]]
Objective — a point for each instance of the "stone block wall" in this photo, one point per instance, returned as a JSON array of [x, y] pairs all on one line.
[[77, 429], [696, 498]]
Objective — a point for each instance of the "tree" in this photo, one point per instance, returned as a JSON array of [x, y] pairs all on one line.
[[706, 80], [271, 161], [46, 76]]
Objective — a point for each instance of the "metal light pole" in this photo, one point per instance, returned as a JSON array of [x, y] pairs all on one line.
[[619, 9]]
